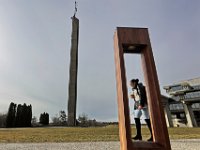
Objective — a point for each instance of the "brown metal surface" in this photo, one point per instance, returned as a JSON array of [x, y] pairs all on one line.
[[136, 40]]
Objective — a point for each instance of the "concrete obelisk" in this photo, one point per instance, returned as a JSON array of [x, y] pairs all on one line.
[[72, 93]]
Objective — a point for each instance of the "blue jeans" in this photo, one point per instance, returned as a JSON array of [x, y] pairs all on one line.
[[139, 112]]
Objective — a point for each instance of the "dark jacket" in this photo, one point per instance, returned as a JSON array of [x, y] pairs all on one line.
[[143, 97]]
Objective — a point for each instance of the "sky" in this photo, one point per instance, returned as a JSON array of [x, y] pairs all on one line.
[[35, 37]]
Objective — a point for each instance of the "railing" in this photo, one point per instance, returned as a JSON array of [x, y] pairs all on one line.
[[179, 89], [196, 87], [182, 89]]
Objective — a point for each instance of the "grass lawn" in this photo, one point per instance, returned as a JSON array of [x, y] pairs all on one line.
[[69, 134]]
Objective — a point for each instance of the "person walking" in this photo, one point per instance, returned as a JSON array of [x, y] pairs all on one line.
[[140, 108]]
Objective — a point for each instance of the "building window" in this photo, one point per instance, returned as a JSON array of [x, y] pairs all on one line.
[[196, 106], [176, 107]]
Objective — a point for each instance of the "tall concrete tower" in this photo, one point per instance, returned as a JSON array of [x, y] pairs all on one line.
[[72, 93]]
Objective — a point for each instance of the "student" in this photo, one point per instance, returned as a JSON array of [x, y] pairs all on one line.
[[140, 107]]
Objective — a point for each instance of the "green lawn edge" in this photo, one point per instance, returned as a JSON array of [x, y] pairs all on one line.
[[79, 134]]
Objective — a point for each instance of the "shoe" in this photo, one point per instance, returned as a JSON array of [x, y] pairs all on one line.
[[150, 139], [137, 137], [138, 130]]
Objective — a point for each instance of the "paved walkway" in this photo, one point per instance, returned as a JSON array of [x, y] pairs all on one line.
[[192, 144]]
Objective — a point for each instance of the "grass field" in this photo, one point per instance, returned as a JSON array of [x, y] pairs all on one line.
[[68, 134]]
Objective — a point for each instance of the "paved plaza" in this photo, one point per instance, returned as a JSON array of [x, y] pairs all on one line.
[[189, 144]]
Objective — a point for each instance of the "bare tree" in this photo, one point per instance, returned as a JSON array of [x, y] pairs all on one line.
[[55, 120], [3, 120], [34, 121], [83, 120], [63, 117]]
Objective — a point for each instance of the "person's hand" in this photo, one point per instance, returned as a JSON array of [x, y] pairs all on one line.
[[140, 107], [132, 96]]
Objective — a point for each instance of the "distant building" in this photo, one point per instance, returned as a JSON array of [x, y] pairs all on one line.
[[183, 106]]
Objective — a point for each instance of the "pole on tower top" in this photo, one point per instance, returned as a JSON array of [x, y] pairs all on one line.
[[75, 11]]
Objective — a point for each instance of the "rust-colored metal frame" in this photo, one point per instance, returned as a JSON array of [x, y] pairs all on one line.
[[136, 40]]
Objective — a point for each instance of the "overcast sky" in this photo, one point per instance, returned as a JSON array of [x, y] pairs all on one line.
[[35, 38]]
